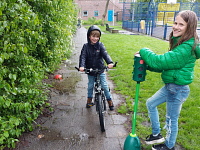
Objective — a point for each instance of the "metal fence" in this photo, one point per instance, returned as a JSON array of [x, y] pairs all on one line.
[[155, 19]]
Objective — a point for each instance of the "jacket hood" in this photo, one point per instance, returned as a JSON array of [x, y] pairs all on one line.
[[93, 27]]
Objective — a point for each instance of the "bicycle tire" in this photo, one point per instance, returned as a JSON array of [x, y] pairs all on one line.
[[101, 113], [96, 103], [104, 102]]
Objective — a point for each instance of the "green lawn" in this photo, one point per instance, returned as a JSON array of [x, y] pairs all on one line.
[[122, 49]]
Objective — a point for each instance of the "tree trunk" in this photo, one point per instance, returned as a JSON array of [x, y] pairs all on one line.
[[104, 15]]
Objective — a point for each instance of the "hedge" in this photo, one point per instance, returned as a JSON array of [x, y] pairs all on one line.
[[35, 36]]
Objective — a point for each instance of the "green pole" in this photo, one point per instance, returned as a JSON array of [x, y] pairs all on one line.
[[132, 141], [135, 108]]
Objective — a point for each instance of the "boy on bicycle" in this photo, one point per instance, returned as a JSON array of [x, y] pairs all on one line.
[[92, 55]]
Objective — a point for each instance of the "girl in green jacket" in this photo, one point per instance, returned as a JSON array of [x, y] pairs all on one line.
[[177, 67]]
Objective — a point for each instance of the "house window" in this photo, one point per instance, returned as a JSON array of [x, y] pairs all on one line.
[[85, 13], [121, 1], [96, 13]]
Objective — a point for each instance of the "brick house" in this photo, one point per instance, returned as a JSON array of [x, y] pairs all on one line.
[[96, 8]]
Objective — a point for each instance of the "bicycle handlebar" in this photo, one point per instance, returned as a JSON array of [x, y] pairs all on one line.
[[96, 70], [115, 64]]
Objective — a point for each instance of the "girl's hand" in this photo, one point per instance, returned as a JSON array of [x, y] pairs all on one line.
[[81, 69], [110, 66], [138, 52]]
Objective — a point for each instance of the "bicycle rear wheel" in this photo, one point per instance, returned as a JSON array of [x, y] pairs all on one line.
[[101, 113]]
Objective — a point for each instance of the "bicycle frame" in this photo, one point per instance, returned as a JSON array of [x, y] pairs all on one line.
[[99, 90]]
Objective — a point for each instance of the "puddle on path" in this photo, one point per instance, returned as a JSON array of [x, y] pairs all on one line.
[[68, 83], [77, 139], [72, 140]]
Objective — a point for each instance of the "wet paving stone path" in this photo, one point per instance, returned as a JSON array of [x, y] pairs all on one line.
[[72, 126]]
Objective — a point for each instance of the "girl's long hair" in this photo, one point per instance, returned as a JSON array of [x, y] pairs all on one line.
[[191, 31]]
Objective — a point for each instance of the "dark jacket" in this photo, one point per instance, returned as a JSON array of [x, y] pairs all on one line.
[[92, 55]]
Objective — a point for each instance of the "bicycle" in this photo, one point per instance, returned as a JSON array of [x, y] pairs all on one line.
[[99, 98]]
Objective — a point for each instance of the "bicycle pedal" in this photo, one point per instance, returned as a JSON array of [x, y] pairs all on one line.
[[91, 105], [88, 105]]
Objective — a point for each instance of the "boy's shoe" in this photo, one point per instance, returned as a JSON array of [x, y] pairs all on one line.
[[161, 147], [150, 139], [89, 103], [111, 105]]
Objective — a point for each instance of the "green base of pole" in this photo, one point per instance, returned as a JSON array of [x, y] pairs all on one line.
[[132, 142]]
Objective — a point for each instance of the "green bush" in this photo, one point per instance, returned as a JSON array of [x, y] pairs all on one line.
[[92, 21], [35, 36]]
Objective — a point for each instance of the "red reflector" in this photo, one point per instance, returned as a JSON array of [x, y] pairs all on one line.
[[141, 61]]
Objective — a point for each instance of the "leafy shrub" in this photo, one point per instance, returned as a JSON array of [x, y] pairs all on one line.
[[92, 21], [35, 36], [98, 22]]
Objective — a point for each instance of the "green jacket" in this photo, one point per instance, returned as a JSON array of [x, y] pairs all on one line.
[[177, 65]]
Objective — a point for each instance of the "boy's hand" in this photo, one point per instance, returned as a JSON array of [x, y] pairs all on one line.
[[81, 69], [110, 66]]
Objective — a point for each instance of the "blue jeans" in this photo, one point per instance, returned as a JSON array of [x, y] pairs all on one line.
[[104, 85], [174, 96]]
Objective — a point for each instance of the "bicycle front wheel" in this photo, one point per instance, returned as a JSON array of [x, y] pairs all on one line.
[[101, 113], [104, 102]]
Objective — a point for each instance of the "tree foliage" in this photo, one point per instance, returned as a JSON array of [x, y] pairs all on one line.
[[35, 35]]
